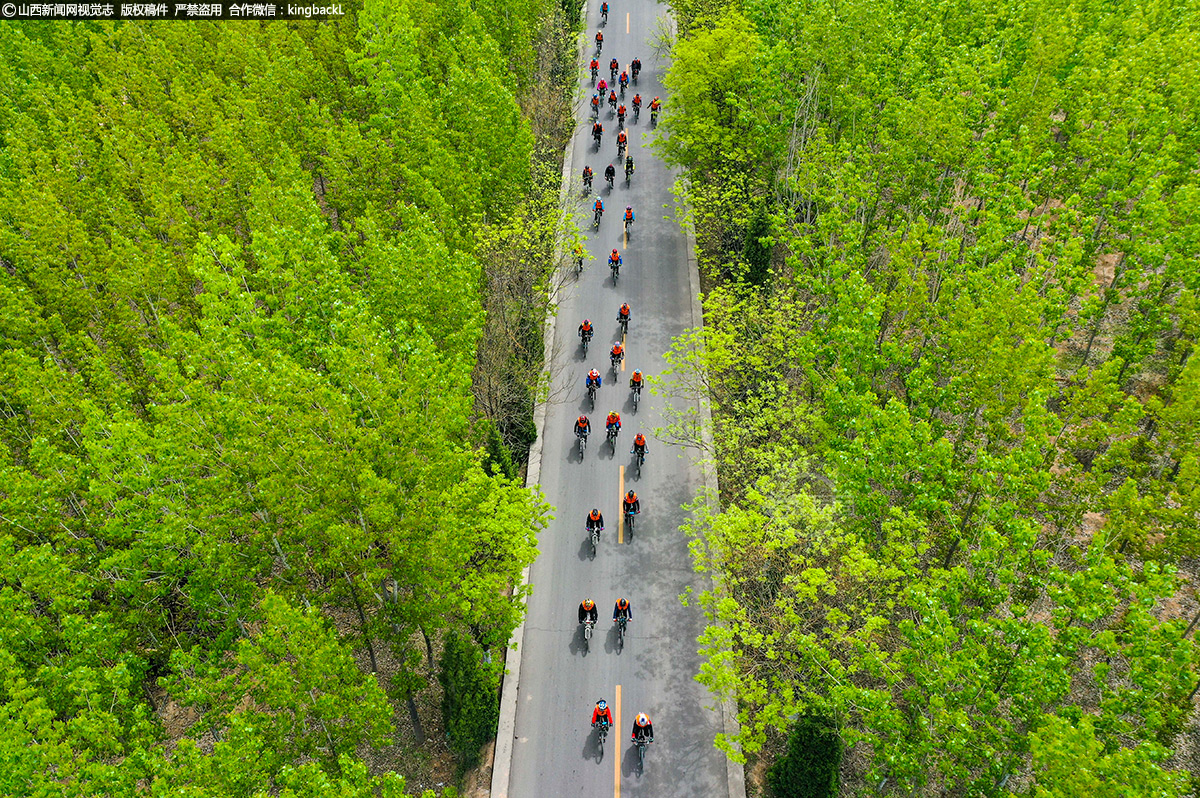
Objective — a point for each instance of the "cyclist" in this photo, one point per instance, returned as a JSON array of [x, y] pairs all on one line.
[[613, 421], [587, 177], [613, 66], [623, 316], [642, 728], [585, 330], [628, 214], [628, 167], [595, 103], [598, 207], [599, 41], [614, 259], [621, 111], [622, 139], [602, 87], [635, 66], [593, 378], [637, 106], [577, 254], [639, 445], [636, 382], [594, 520], [604, 11], [617, 354], [610, 172], [632, 505], [595, 67], [587, 611], [583, 427], [612, 99], [655, 104], [622, 610], [602, 714], [623, 82]]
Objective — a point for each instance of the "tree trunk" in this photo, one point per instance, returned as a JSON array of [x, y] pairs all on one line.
[[362, 619]]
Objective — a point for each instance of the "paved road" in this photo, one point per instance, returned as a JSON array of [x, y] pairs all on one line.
[[554, 751]]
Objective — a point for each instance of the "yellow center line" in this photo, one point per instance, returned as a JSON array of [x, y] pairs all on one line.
[[627, 22], [621, 515], [617, 747]]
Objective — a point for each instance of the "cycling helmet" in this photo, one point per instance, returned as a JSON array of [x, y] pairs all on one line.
[[587, 323], [622, 604], [593, 373], [595, 514], [630, 496], [643, 719], [583, 419], [637, 375], [601, 705], [640, 440], [628, 207], [588, 604]]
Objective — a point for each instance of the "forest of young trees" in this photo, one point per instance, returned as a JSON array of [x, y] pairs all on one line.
[[950, 250], [259, 400]]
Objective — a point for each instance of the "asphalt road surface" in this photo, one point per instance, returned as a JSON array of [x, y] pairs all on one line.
[[555, 751]]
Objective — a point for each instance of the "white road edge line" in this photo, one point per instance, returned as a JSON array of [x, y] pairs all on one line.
[[510, 686]]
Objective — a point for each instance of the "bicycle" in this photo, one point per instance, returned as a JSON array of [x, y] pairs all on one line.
[[637, 111], [612, 437], [591, 396], [621, 623], [616, 269], [587, 185], [609, 178], [629, 525], [641, 748], [595, 74], [582, 443], [595, 539], [601, 736], [587, 635], [628, 224], [579, 271], [615, 360], [628, 174], [641, 458], [596, 218], [585, 337], [624, 322], [637, 393]]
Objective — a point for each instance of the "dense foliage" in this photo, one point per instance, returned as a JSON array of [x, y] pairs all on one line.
[[953, 257], [808, 767], [241, 478]]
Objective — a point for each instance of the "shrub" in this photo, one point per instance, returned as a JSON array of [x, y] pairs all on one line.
[[470, 698], [809, 766]]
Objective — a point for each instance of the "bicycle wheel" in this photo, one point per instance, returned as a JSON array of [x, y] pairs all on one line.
[[582, 445], [636, 394], [595, 540], [629, 527]]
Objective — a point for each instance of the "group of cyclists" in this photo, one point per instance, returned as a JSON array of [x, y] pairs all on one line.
[[607, 91]]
